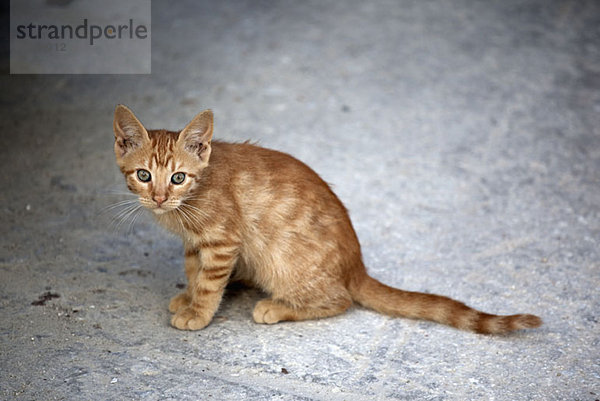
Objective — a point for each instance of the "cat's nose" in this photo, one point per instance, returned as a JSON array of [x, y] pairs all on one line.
[[159, 199]]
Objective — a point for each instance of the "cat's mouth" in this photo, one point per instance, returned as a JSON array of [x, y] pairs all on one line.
[[164, 208], [161, 208]]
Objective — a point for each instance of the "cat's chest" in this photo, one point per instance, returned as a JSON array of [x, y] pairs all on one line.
[[193, 230], [175, 224]]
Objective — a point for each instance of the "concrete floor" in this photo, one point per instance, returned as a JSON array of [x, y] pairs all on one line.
[[463, 136]]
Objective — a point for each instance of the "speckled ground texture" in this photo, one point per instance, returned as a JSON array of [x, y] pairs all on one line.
[[464, 137]]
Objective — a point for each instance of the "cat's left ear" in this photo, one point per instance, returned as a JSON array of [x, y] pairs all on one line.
[[197, 135]]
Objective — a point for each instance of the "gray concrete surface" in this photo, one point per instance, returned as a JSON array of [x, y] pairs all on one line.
[[463, 136]]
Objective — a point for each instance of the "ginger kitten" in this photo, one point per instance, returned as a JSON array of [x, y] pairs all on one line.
[[261, 216]]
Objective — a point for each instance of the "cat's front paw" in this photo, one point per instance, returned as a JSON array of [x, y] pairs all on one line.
[[187, 318], [179, 301]]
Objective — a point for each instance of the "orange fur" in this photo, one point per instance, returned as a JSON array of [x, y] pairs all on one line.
[[261, 216]]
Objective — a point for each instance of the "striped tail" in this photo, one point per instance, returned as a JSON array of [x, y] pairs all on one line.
[[372, 294]]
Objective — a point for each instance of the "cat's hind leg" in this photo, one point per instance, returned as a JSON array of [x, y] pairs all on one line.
[[270, 311]]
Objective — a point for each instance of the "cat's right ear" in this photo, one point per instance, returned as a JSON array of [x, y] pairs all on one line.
[[130, 134]]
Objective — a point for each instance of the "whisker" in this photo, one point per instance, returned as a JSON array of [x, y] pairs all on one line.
[[118, 191], [121, 217], [118, 204], [178, 216], [195, 210], [181, 217], [121, 213], [137, 214], [194, 214], [128, 215], [116, 220], [201, 198]]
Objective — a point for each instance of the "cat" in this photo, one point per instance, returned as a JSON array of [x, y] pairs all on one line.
[[263, 217]]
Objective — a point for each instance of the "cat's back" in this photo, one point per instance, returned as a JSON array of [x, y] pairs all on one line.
[[270, 182], [249, 161]]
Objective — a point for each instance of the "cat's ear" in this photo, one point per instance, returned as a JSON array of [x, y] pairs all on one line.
[[196, 136], [130, 134]]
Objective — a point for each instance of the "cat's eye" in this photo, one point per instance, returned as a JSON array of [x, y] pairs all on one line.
[[177, 178], [143, 175]]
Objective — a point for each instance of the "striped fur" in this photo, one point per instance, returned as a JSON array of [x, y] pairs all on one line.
[[261, 216]]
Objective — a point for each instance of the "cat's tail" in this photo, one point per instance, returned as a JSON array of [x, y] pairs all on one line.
[[372, 294]]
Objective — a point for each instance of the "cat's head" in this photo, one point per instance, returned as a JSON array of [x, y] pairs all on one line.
[[160, 166]]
